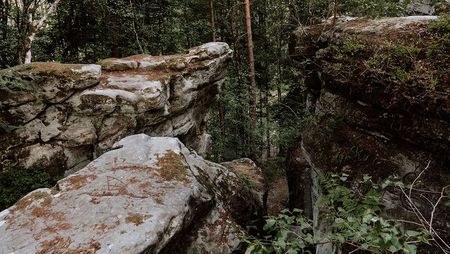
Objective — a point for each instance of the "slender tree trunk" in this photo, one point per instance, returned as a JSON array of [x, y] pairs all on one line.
[[4, 10], [335, 10], [27, 44], [31, 27], [269, 145], [213, 19], [279, 67], [133, 25], [251, 64]]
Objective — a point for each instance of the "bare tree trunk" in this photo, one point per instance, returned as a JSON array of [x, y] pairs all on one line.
[[335, 11], [27, 44], [32, 27], [213, 19], [251, 64]]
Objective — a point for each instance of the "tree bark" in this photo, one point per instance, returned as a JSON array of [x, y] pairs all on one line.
[[251, 64], [32, 27], [213, 19]]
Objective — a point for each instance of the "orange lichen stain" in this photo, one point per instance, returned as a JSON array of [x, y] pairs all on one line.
[[101, 227], [90, 248], [95, 201], [172, 167], [55, 229], [79, 181], [133, 181], [135, 218], [222, 226], [39, 212], [144, 185], [58, 245], [26, 201], [133, 167], [50, 69]]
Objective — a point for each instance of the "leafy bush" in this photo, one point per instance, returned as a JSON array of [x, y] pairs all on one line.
[[16, 183], [354, 223]]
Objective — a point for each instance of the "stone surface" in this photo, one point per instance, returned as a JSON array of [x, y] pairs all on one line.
[[146, 195], [380, 100], [427, 7], [90, 107]]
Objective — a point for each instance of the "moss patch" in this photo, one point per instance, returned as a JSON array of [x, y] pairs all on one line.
[[135, 218], [173, 167], [406, 69]]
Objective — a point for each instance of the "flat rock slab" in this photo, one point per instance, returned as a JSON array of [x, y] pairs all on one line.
[[132, 199]]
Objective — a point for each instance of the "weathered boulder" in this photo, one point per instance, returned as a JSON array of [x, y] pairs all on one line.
[[379, 94], [427, 7], [61, 116], [146, 195]]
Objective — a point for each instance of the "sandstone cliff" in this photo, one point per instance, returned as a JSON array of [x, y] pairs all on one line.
[[379, 97], [61, 116]]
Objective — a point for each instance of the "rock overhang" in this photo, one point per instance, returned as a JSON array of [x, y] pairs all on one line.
[[42, 104]]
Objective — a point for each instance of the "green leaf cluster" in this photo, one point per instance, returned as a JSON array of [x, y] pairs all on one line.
[[354, 223]]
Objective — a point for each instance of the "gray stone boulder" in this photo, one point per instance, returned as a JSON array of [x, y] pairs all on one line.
[[427, 7], [146, 195], [61, 116]]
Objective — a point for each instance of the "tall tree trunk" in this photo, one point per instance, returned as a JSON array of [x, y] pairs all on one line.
[[213, 19], [251, 64], [31, 28], [4, 10]]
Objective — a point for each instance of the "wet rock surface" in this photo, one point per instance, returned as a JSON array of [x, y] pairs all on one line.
[[61, 116], [147, 195]]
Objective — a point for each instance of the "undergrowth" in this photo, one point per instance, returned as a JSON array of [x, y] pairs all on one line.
[[354, 223], [16, 183]]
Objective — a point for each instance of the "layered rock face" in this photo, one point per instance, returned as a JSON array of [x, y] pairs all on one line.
[[146, 195], [61, 116], [379, 96]]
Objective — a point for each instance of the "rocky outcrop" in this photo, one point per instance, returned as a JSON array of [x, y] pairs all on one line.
[[428, 7], [379, 96], [146, 195], [61, 116]]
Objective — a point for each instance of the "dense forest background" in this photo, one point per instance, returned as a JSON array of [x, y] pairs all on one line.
[[84, 31]]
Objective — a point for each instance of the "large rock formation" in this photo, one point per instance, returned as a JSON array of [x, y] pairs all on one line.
[[61, 116], [146, 195], [379, 95]]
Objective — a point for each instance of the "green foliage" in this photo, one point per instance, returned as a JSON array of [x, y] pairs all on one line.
[[289, 232], [12, 82], [351, 46], [438, 51], [441, 25], [374, 8], [15, 183], [354, 219]]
